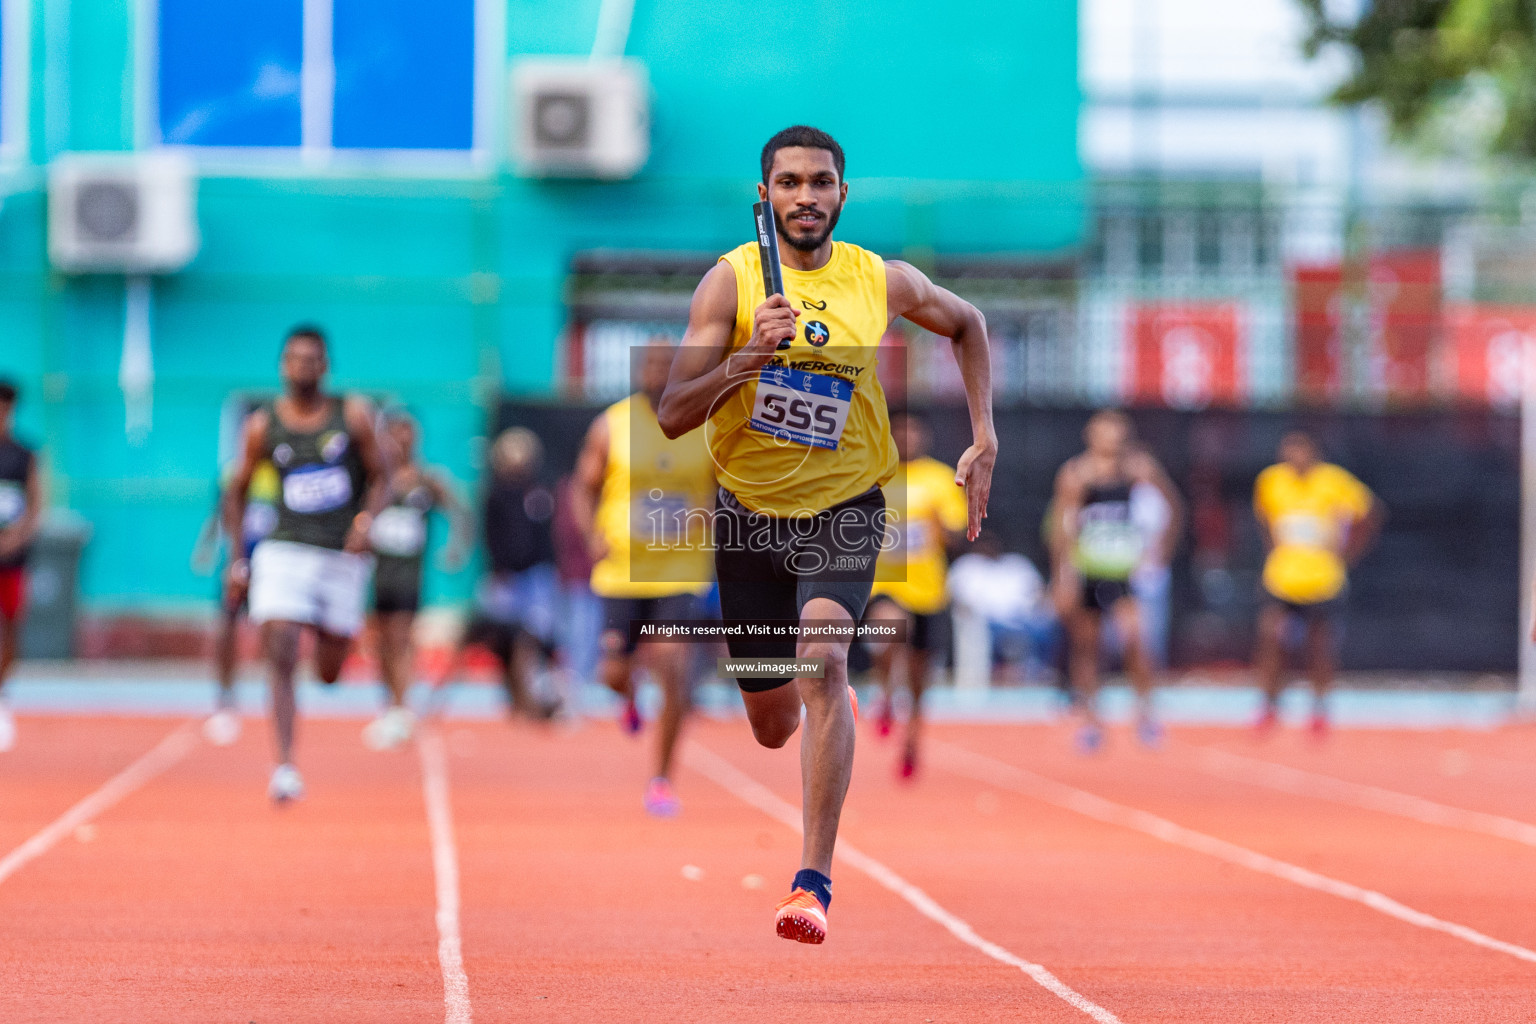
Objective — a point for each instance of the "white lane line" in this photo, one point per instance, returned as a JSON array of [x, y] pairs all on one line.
[[159, 757], [1373, 798], [1038, 787], [747, 789], [445, 868]]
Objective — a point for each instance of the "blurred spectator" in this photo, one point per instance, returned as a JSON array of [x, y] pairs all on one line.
[[581, 611], [999, 604], [515, 606]]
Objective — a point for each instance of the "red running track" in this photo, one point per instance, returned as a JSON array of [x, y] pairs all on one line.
[[192, 899]]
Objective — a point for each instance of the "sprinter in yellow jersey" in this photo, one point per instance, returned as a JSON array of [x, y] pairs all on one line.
[[910, 578], [786, 390], [1316, 520], [643, 501]]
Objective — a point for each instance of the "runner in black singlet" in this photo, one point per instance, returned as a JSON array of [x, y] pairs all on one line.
[[399, 539], [1097, 546], [312, 571]]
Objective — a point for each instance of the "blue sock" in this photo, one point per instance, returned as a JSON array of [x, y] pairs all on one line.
[[816, 883]]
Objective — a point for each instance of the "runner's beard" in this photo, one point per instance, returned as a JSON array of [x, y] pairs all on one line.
[[813, 242]]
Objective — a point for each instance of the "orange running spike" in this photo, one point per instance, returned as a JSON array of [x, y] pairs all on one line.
[[800, 917]]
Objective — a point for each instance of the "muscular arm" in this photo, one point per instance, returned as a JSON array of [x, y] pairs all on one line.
[[702, 377], [461, 525], [253, 443], [362, 425], [910, 294], [1067, 503], [1364, 531], [20, 533], [587, 482]]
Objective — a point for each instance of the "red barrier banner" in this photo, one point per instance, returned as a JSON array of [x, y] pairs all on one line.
[[1485, 351], [1405, 302], [1318, 293], [1185, 355]]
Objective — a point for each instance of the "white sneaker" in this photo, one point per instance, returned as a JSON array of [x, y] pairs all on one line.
[[222, 727], [394, 728], [7, 727], [287, 784]]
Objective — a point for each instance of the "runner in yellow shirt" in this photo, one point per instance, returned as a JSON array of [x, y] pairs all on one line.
[[786, 387], [910, 575], [1316, 520], [644, 502]]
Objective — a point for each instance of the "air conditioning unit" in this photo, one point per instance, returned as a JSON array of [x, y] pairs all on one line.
[[580, 118], [122, 213]]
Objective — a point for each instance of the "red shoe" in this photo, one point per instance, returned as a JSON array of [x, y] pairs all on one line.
[[885, 719], [801, 917], [1318, 727], [629, 719], [1268, 721], [908, 770]]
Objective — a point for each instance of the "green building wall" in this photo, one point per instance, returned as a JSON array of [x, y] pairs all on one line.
[[960, 125]]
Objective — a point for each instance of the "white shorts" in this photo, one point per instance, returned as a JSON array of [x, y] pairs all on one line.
[[315, 586]]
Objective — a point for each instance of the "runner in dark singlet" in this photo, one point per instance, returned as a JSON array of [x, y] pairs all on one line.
[[399, 540], [312, 571], [1097, 545], [21, 509]]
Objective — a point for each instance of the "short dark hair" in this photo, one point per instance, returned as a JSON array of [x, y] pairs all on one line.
[[8, 391], [806, 136], [309, 332]]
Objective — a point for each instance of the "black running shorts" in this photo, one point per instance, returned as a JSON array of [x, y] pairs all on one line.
[[620, 612], [929, 632], [771, 567], [1102, 595]]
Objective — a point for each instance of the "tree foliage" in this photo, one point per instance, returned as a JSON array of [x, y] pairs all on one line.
[[1429, 62]]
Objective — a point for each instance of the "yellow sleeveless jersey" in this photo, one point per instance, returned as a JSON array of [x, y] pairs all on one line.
[[811, 429], [653, 509], [913, 570], [1309, 518]]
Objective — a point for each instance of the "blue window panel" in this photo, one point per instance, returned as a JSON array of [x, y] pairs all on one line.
[[405, 74], [229, 72]]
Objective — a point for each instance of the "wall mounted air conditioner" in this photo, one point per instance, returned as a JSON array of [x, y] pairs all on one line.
[[580, 118], [125, 213]]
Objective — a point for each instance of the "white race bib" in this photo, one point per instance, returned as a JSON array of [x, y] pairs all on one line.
[[13, 502], [313, 489], [1304, 530], [806, 408], [399, 532]]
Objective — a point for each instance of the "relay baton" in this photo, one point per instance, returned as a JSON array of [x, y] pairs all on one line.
[[768, 252]]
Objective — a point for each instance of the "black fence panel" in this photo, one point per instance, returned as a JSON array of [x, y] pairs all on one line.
[[1440, 592]]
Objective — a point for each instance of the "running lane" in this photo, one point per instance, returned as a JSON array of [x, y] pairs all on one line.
[[194, 900], [1489, 771], [577, 905], [59, 761], [1211, 940]]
